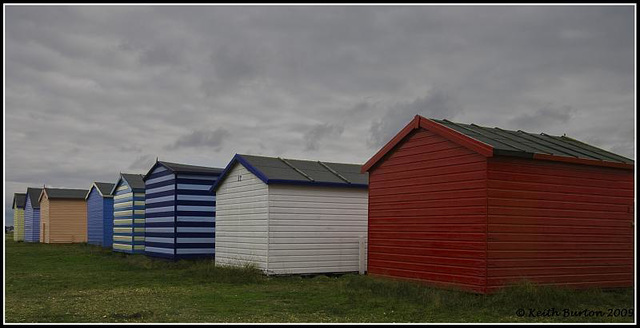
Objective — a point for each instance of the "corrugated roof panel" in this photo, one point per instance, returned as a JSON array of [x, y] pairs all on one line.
[[104, 187], [315, 170], [186, 168], [34, 194], [521, 142], [524, 142], [19, 199], [66, 193], [299, 171], [600, 151], [478, 133], [134, 180]]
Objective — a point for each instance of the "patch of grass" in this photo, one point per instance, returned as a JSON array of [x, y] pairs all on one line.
[[85, 283]]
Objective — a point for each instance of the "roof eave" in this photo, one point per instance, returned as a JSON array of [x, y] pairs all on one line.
[[44, 189], [153, 167], [583, 161], [435, 127], [94, 185], [317, 183], [237, 158]]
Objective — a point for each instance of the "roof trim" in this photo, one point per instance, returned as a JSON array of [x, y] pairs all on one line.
[[35, 204], [14, 200], [44, 189], [115, 186], [488, 150], [168, 167], [239, 159], [575, 160], [93, 185], [437, 128]]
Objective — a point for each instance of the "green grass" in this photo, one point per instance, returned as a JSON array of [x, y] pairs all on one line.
[[83, 283]]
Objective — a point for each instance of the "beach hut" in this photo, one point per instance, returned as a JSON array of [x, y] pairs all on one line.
[[180, 211], [32, 216], [18, 216], [479, 208], [100, 214], [128, 214], [290, 216], [63, 215]]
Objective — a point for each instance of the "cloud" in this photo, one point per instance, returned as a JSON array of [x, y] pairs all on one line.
[[318, 132], [436, 104], [544, 117], [94, 90], [202, 139], [143, 162]]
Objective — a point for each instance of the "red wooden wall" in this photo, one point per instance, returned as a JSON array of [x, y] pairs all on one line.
[[558, 223], [427, 213]]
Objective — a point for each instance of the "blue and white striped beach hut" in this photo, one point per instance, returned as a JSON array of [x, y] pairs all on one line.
[[128, 214], [180, 210]]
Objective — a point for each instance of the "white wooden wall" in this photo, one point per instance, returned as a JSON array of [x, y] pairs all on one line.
[[315, 229], [286, 229], [241, 220]]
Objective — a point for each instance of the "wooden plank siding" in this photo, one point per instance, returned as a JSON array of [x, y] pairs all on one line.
[[31, 222], [160, 228], [65, 220], [428, 212], [128, 218], [558, 223], [315, 229], [241, 220], [18, 224], [99, 219], [44, 219], [180, 214], [289, 229]]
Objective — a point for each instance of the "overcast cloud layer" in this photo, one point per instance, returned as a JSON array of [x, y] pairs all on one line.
[[95, 90]]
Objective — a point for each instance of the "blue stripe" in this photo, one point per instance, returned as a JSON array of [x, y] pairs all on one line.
[[194, 181], [195, 235], [196, 213], [155, 191], [161, 194], [158, 180], [160, 204], [199, 245], [157, 199], [194, 192], [193, 186], [159, 234], [199, 176], [206, 197], [196, 224], [196, 202], [152, 186], [159, 245], [159, 215], [159, 224]]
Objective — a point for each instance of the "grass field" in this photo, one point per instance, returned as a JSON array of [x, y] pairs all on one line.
[[83, 283]]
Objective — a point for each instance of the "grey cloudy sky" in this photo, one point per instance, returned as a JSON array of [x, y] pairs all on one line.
[[95, 90]]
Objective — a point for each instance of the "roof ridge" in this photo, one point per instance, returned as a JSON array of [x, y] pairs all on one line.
[[296, 169], [334, 172]]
